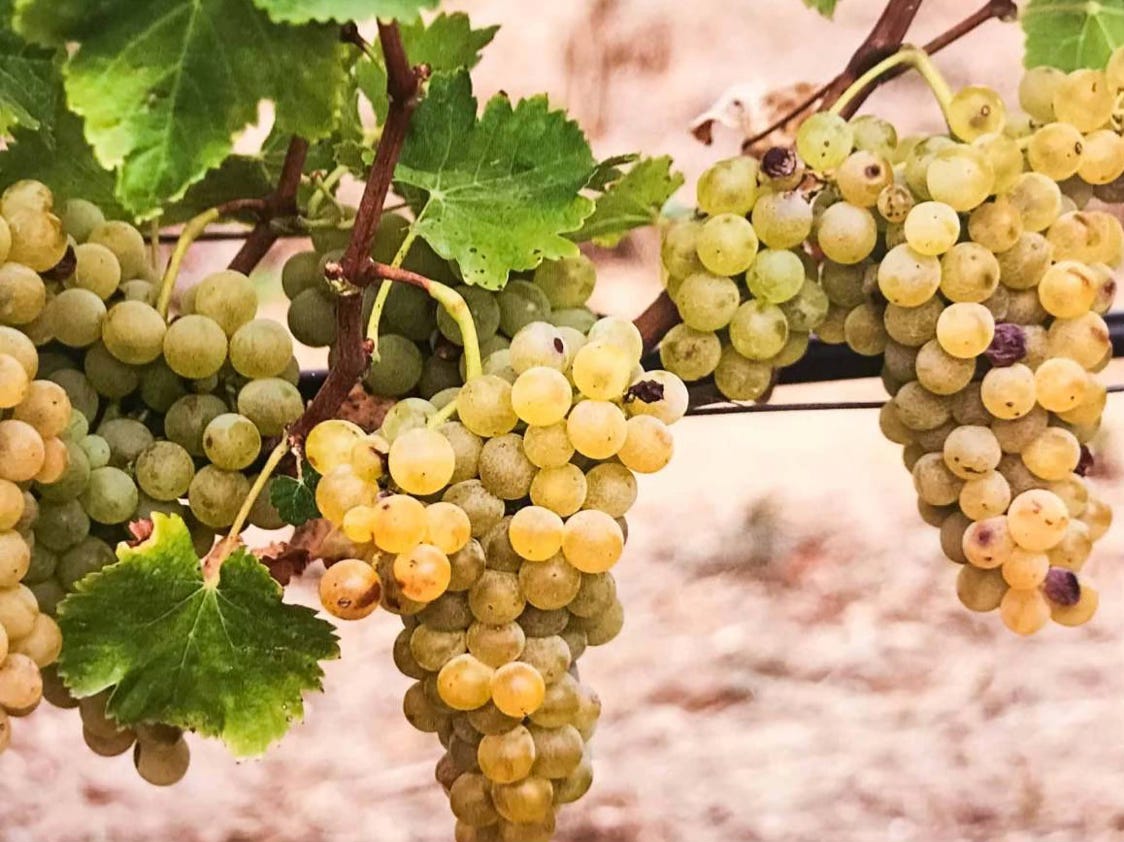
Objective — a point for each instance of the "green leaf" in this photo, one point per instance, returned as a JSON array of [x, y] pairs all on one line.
[[632, 201], [446, 43], [1069, 35], [824, 7], [164, 87], [226, 659], [63, 160], [295, 497], [495, 193], [302, 11], [239, 176], [29, 88]]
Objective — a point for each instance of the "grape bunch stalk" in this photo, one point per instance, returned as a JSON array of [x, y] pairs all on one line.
[[493, 536], [973, 263]]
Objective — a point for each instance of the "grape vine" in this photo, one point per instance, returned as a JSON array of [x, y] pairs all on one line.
[[469, 457]]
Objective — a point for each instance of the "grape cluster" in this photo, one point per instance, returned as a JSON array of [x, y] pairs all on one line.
[[420, 346], [972, 263], [131, 414], [493, 537], [746, 288]]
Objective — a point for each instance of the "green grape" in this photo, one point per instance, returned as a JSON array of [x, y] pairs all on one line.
[[913, 326], [61, 525], [758, 330], [708, 302], [188, 417], [80, 218], [87, 556], [271, 404], [1102, 157], [215, 495], [1038, 199], [567, 282], [1084, 99], [37, 239], [110, 496], [740, 378], [126, 439], [961, 177], [195, 347], [974, 111], [895, 202], [807, 309], [407, 414], [438, 375], [843, 285], [496, 598], [578, 318], [1004, 155], [409, 311], [484, 406], [847, 233], [932, 228], [1055, 151], [41, 567], [873, 134], [504, 469], [300, 272], [227, 297], [312, 318], [577, 784], [679, 247], [76, 317], [540, 344], [108, 375], [1036, 92], [996, 225], [231, 442], [824, 141], [729, 186], [863, 177], [260, 348], [73, 480], [908, 278], [127, 244], [138, 290], [940, 372], [619, 332], [96, 269], [398, 368], [691, 354], [776, 276], [969, 272], [22, 294], [133, 332], [782, 220], [496, 644], [484, 509], [164, 470], [864, 331], [727, 244], [483, 305], [795, 347], [82, 395], [520, 303]]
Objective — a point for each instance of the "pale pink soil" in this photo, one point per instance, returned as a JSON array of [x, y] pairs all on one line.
[[795, 666]]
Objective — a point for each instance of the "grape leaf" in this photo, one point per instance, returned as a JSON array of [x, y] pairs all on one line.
[[1068, 35], [164, 87], [303, 11], [29, 88], [633, 200], [824, 7], [495, 193], [295, 497], [226, 659], [446, 43]]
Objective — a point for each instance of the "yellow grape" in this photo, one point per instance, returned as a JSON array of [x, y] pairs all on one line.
[[330, 443], [518, 689], [648, 445], [592, 541], [399, 523], [465, 683], [350, 589], [342, 490], [535, 533], [423, 572], [447, 527]]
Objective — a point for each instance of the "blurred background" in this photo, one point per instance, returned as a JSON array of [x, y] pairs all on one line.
[[795, 665]]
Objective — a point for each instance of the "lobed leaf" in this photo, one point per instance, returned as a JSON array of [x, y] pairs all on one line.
[[303, 11], [295, 497], [634, 199], [226, 659], [498, 192]]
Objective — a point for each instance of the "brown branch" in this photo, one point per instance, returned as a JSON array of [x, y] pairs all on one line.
[[659, 317], [282, 202], [403, 82]]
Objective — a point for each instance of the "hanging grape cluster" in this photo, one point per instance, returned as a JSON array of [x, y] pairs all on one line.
[[493, 537]]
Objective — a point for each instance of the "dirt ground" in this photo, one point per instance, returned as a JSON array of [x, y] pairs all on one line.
[[795, 666]]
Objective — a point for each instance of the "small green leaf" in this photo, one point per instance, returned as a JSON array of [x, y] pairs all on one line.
[[632, 201], [303, 11], [824, 7], [295, 497], [446, 43], [1070, 35], [29, 80], [226, 659], [495, 193], [164, 87], [63, 160]]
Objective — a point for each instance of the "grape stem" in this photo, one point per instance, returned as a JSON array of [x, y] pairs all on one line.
[[282, 202], [403, 83], [384, 292], [909, 56], [224, 548], [324, 187]]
